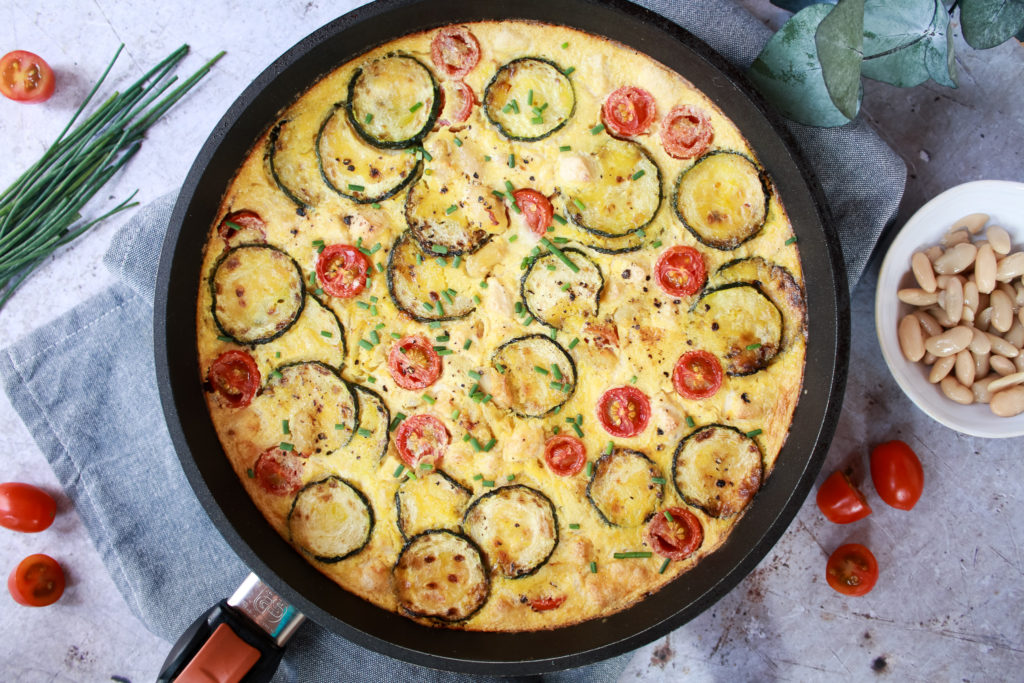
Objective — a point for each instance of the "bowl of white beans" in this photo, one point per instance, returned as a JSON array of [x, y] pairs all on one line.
[[949, 309]]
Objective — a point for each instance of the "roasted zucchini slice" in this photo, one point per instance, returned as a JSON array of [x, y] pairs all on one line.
[[393, 101], [515, 526], [776, 283], [330, 519], [354, 170], [432, 500], [555, 295], [743, 327], [418, 284], [619, 193], [321, 408], [441, 574], [257, 293], [290, 159], [372, 435], [453, 215], [535, 373], [722, 199], [317, 335], [718, 469], [625, 488], [529, 99]]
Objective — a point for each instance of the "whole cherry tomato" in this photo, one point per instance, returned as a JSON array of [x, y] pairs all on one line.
[[37, 581], [897, 474], [23, 507], [852, 570], [840, 501]]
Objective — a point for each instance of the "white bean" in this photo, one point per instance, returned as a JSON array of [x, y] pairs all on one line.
[[954, 237], [1009, 267], [957, 259], [1018, 295], [980, 389], [967, 316], [941, 368], [1002, 366], [1002, 311], [979, 342], [1007, 289], [934, 252], [956, 391], [929, 358], [972, 222], [954, 303], [923, 272], [911, 338], [982, 320], [950, 342], [929, 324], [1018, 361], [1016, 334], [985, 269], [964, 368], [971, 295], [981, 364], [940, 316], [1008, 402], [1007, 381], [999, 239], [1002, 347], [917, 297]]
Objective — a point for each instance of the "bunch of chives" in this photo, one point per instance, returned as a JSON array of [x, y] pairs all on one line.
[[41, 210]]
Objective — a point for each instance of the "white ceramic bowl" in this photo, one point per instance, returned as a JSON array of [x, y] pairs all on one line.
[[1003, 201]]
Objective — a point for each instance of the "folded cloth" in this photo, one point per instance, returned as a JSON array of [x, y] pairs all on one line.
[[114, 458]]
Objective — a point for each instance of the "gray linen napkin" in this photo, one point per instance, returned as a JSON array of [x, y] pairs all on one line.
[[114, 458]]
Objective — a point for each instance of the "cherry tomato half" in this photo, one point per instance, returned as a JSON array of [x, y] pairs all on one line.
[[243, 227], [26, 77], [680, 271], [897, 474], [624, 411], [341, 269], [628, 111], [565, 455], [24, 507], [455, 51], [697, 375], [546, 603], [37, 581], [279, 472], [235, 377], [852, 570], [413, 362], [536, 209], [422, 438], [686, 132], [840, 501], [675, 533], [462, 103]]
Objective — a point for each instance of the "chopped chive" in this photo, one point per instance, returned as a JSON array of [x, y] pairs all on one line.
[[574, 526], [689, 421], [438, 248], [221, 337], [490, 444], [501, 368], [284, 427], [752, 347], [426, 466], [474, 374], [554, 368], [487, 157], [656, 243], [565, 45], [558, 240], [427, 305], [791, 240], [426, 154], [507, 108], [445, 352], [285, 446], [608, 448], [312, 279], [590, 469], [513, 238], [597, 129], [553, 333], [325, 333], [375, 248], [664, 566], [477, 477], [455, 415], [551, 266], [398, 472], [574, 342], [457, 141], [419, 259], [668, 516], [639, 174], [489, 483], [527, 321], [395, 335], [515, 106], [275, 374], [658, 480], [632, 380], [365, 433], [475, 444], [434, 325], [363, 305], [441, 262], [518, 308], [559, 219], [529, 97], [499, 194], [579, 205], [366, 345], [558, 252], [568, 72], [476, 299], [449, 211], [565, 148], [537, 119], [443, 337], [249, 473], [356, 188], [364, 250], [576, 428], [440, 348], [277, 354], [511, 160], [340, 427], [371, 379], [396, 421], [379, 325], [374, 337], [374, 311], [753, 433], [579, 419], [415, 106], [556, 429], [466, 344], [375, 205], [369, 117], [318, 291], [457, 260], [593, 567], [634, 554], [465, 437], [565, 286], [448, 297], [557, 386], [429, 399], [511, 477], [510, 187]]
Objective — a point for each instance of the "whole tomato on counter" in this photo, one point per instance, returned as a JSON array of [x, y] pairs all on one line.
[[24, 507], [897, 474], [26, 77], [840, 501]]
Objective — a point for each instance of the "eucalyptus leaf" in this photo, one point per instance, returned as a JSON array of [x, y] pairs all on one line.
[[987, 23], [788, 73], [797, 5], [839, 39], [907, 42]]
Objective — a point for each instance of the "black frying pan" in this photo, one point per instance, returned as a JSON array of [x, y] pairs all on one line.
[[243, 526]]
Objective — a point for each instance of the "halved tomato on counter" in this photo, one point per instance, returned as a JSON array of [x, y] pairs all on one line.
[[37, 581], [341, 270], [628, 111], [422, 438], [26, 77], [235, 377], [852, 570], [413, 362], [624, 411], [840, 501]]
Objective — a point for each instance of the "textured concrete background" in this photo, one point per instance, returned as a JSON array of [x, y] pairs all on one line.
[[947, 606]]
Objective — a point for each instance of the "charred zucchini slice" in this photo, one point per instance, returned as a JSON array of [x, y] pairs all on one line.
[[417, 283], [453, 215], [529, 99], [527, 370], [718, 469], [776, 283], [354, 170], [433, 500], [744, 328], [330, 519], [291, 159], [516, 527], [625, 488], [555, 295], [722, 199], [317, 335], [393, 101], [441, 574], [619, 193], [372, 436], [321, 408], [257, 293]]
